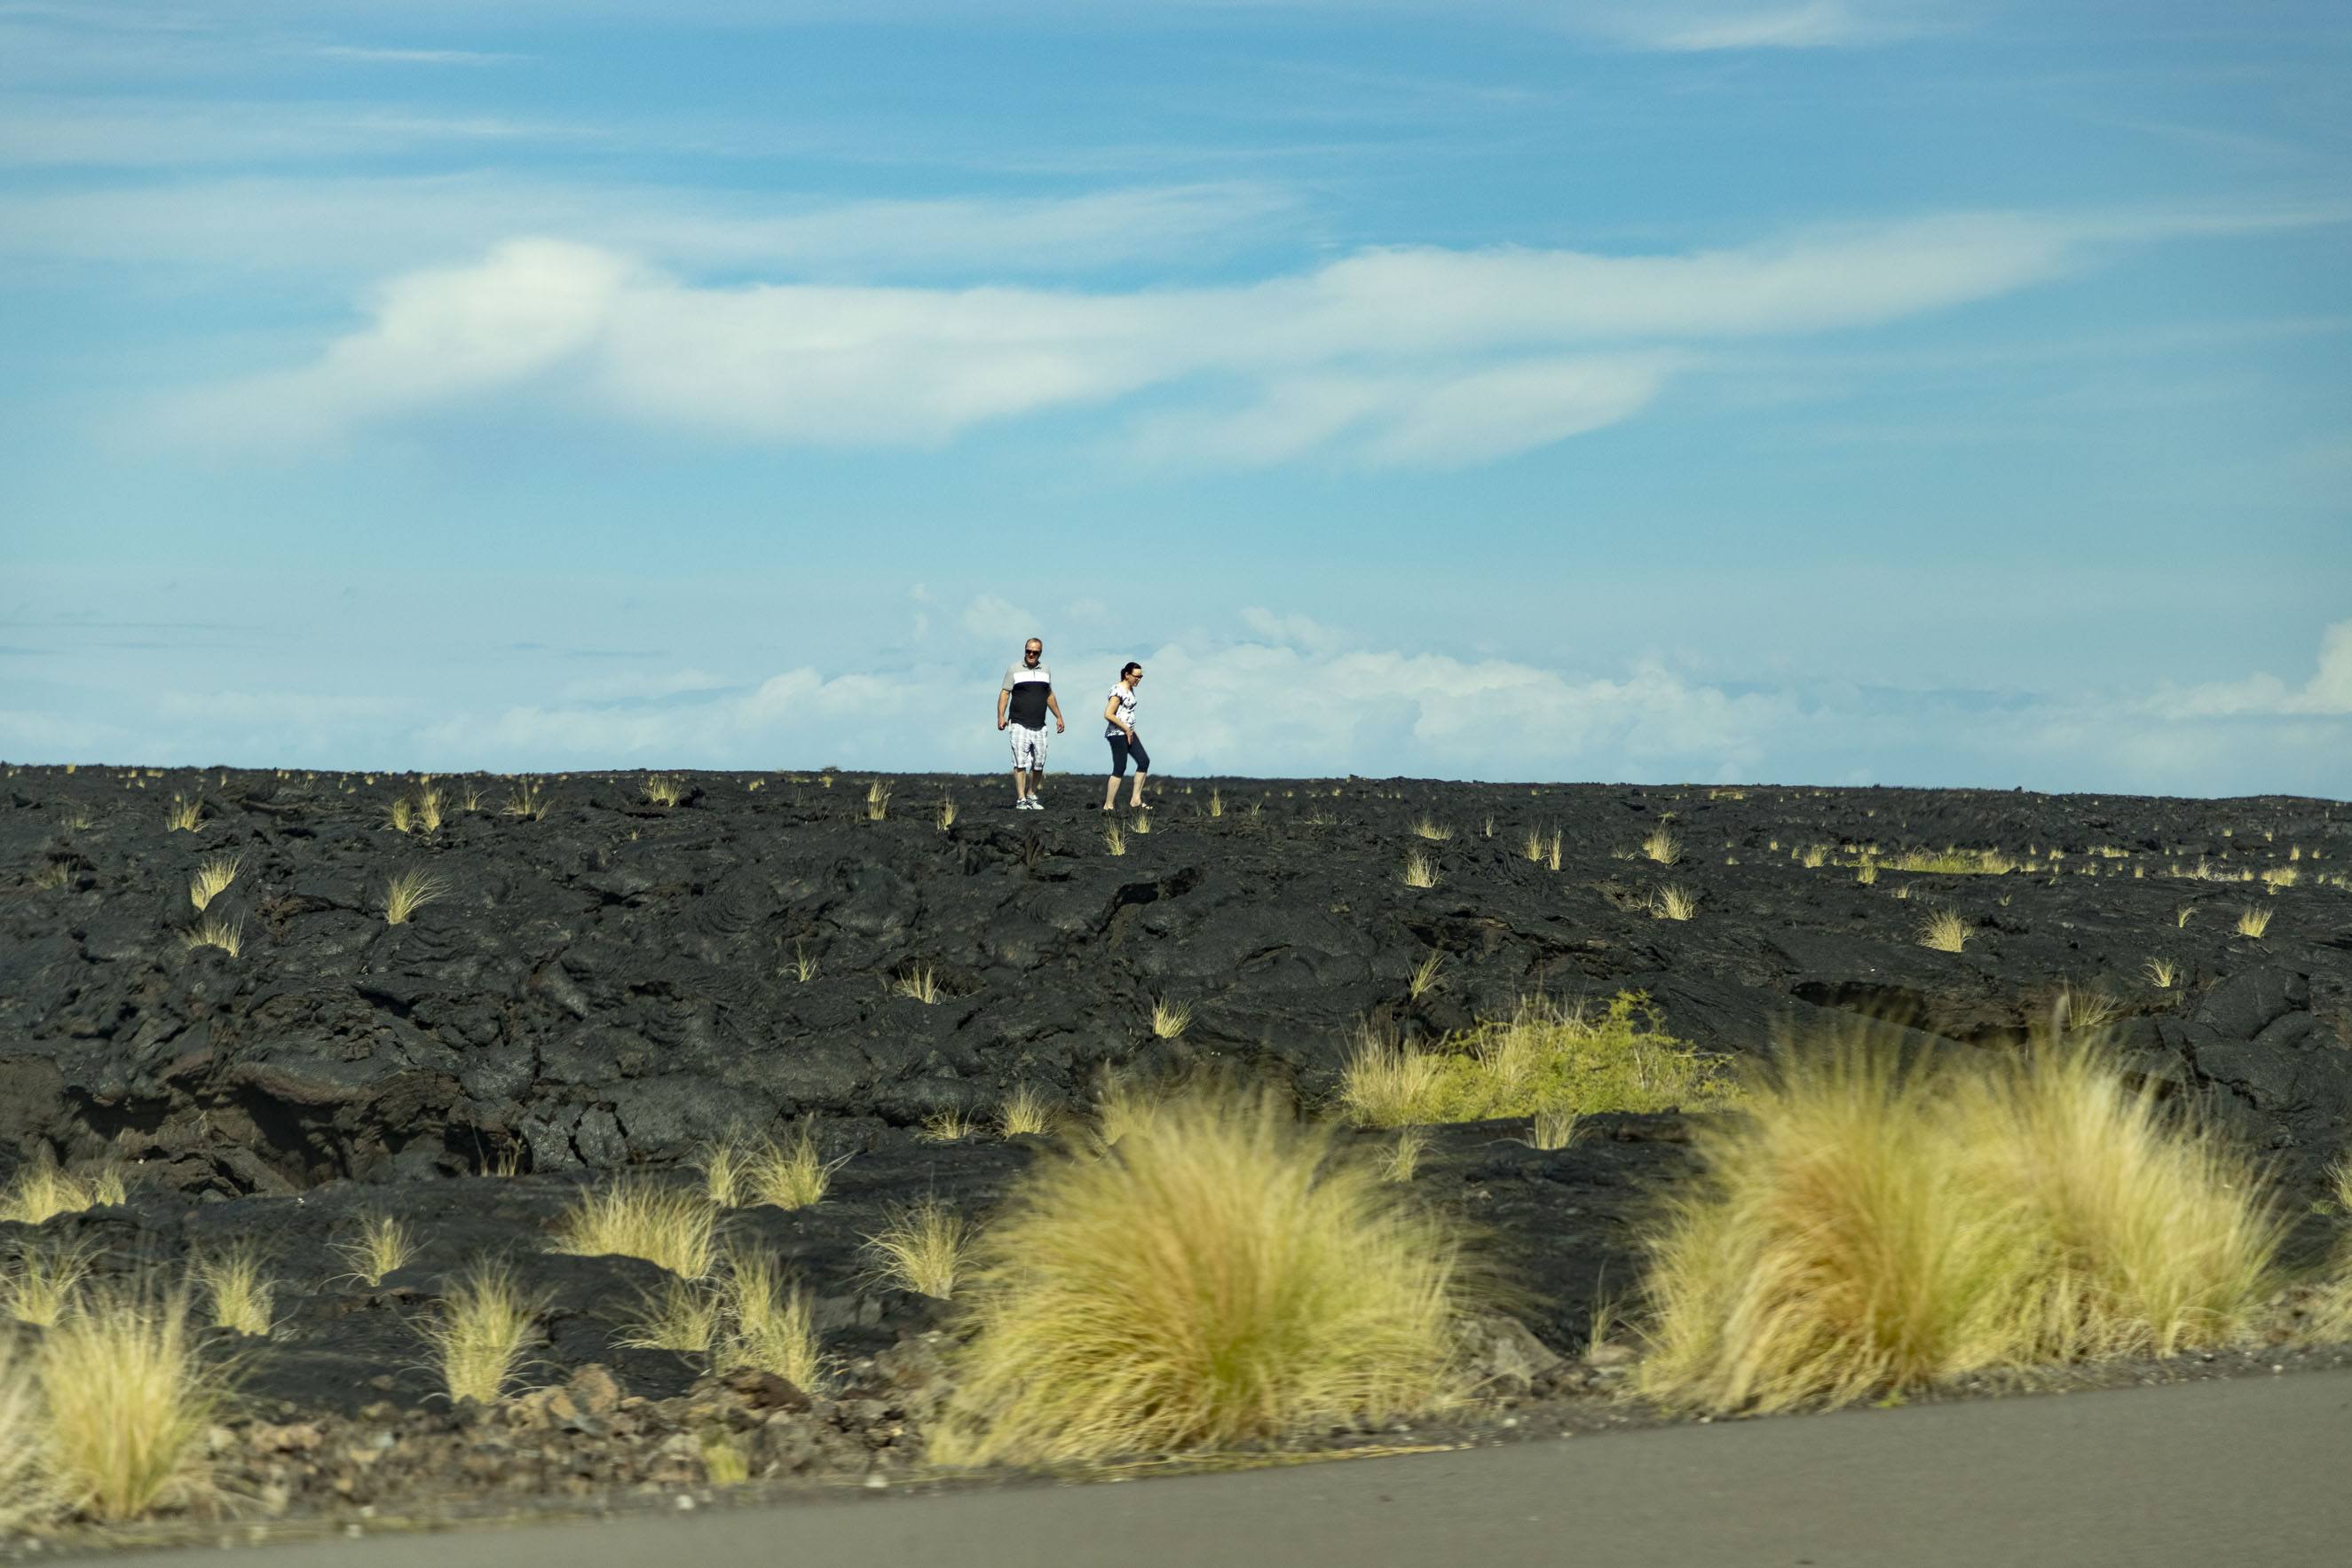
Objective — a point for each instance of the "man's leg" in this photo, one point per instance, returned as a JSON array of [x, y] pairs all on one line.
[[1020, 786], [1036, 784]]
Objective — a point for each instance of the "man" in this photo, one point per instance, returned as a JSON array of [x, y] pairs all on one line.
[[1021, 705]]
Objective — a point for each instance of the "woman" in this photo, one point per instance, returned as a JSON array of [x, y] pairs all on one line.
[[1119, 714]]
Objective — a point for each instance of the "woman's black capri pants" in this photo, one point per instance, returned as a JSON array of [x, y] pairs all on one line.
[[1121, 748]]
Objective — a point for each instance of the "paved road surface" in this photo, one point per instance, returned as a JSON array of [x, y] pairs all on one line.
[[2250, 1473]]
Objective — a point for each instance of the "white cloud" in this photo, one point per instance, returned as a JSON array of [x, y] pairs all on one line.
[[1269, 692], [992, 618], [354, 224], [2328, 693], [1414, 355]]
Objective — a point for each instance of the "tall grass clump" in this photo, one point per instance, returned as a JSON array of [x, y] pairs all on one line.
[[479, 1339], [409, 892], [1544, 1058], [673, 1226], [789, 1174], [45, 1191], [24, 1492], [1220, 1276], [1027, 1113], [127, 1403], [210, 880], [42, 1286], [771, 1321], [922, 1248], [238, 1289], [381, 1245], [1872, 1225]]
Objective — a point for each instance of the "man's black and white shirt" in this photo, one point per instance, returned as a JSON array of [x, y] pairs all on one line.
[[1030, 684]]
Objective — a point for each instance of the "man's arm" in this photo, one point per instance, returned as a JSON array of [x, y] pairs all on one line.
[[1002, 698], [1056, 704]]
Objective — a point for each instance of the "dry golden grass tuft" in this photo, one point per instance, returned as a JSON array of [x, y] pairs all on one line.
[[952, 1125], [1871, 1227], [1815, 856], [661, 789], [878, 802], [1216, 803], [2252, 921], [213, 931], [1555, 1129], [409, 892], [1113, 838], [1436, 833], [1867, 873], [2163, 973], [1428, 975], [673, 1226], [43, 1282], [1531, 848], [1170, 1020], [771, 1322], [1420, 870], [791, 1174], [26, 1495], [44, 1191], [239, 1291], [381, 1245], [1672, 903], [946, 816], [484, 1324], [1139, 824], [211, 880], [527, 802], [920, 984], [920, 1248], [1945, 931], [1403, 1162], [428, 807], [1662, 847], [185, 815], [127, 1403], [1124, 1107], [682, 1315], [2074, 1012], [1219, 1277], [1544, 1058], [1027, 1113]]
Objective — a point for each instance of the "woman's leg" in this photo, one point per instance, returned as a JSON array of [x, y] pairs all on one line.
[[1142, 767], [1117, 766]]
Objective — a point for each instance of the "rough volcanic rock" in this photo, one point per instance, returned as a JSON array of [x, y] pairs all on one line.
[[612, 985]]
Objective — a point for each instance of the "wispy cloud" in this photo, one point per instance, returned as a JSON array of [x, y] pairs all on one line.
[[1410, 355], [366, 225], [37, 132]]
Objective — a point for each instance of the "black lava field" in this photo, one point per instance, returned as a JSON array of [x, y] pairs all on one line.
[[613, 984]]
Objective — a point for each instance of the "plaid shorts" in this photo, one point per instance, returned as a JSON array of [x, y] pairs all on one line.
[[1028, 747]]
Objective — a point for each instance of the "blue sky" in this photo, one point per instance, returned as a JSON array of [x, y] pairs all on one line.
[[1827, 391]]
